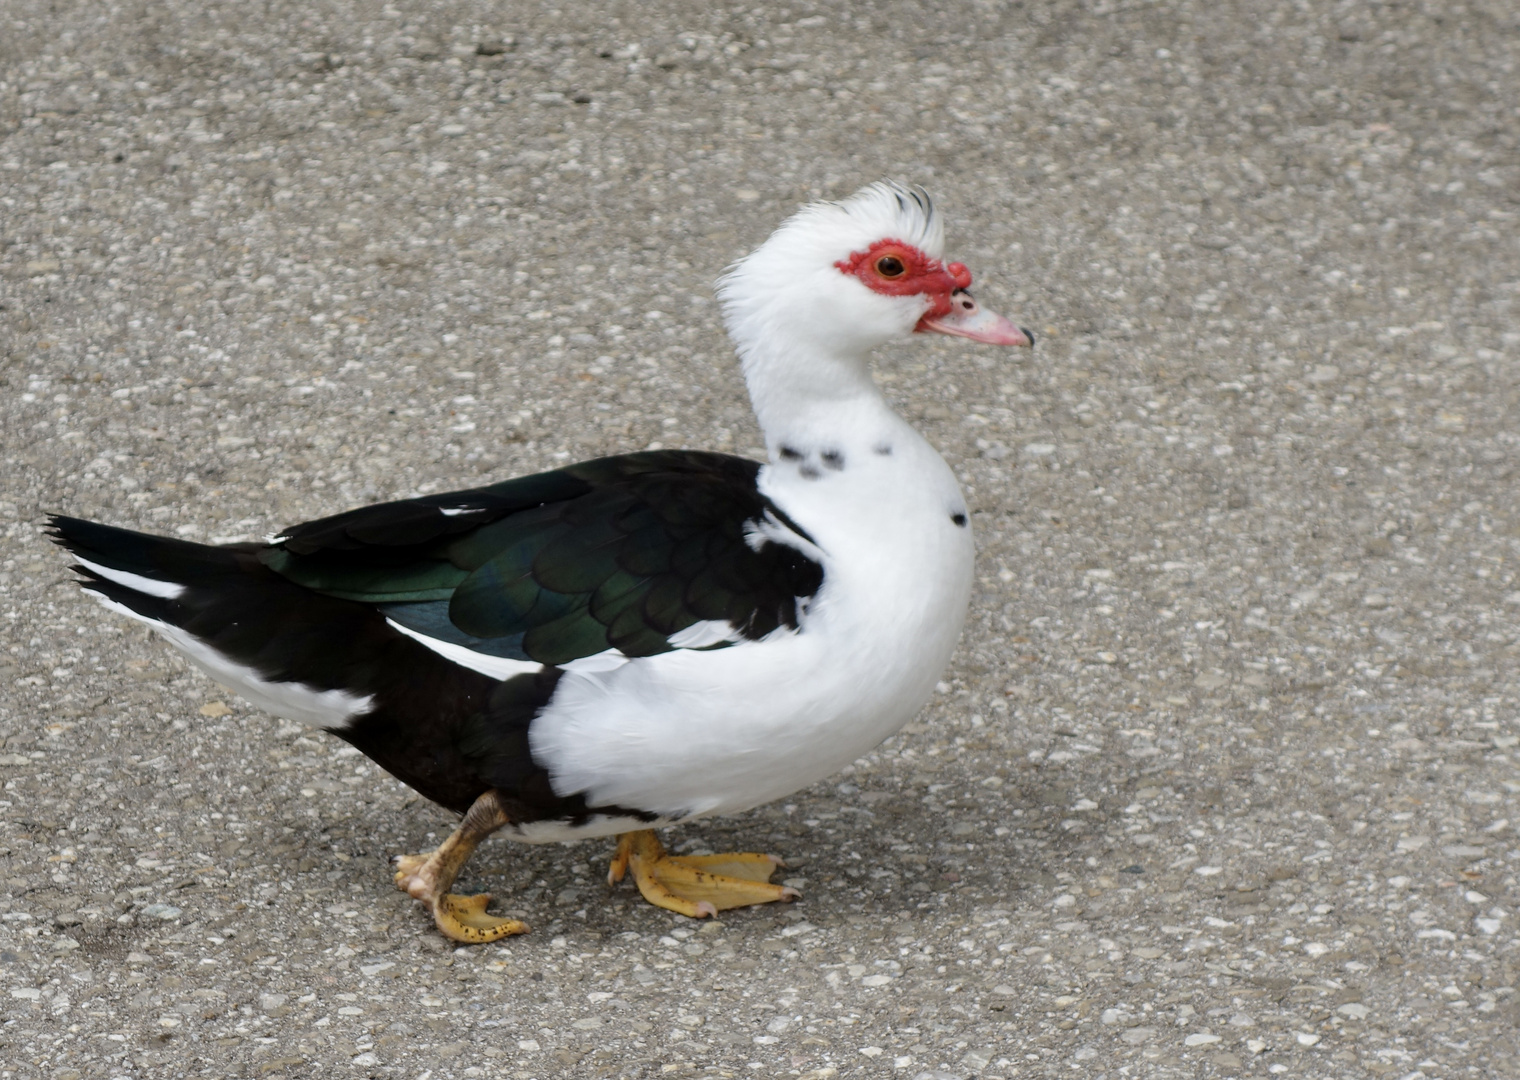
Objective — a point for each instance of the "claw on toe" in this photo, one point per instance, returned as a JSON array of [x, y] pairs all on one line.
[[697, 886], [619, 865]]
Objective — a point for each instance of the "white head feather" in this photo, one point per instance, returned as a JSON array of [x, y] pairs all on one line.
[[880, 210], [791, 290]]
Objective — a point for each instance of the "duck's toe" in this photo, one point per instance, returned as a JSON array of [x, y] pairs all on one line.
[[407, 869], [464, 919], [749, 865]]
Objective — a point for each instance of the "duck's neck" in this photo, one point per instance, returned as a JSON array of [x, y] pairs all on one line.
[[804, 399]]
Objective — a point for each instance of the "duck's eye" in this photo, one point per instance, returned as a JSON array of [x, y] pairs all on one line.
[[890, 266]]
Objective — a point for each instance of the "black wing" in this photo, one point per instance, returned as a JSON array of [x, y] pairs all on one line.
[[618, 553]]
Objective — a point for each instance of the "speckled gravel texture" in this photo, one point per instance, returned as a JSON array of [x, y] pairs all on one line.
[[1223, 780]]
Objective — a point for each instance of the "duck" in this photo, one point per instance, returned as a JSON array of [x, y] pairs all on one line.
[[637, 641]]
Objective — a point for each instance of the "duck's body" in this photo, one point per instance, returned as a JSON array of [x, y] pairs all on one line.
[[637, 640]]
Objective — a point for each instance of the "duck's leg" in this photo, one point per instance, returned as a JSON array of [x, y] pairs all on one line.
[[696, 885], [429, 877]]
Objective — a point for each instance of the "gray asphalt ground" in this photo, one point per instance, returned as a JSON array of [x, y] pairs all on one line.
[[1222, 782]]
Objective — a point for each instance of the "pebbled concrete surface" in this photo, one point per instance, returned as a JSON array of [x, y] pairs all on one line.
[[1223, 780]]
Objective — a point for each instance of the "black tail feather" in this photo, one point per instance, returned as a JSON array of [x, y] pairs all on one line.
[[162, 558]]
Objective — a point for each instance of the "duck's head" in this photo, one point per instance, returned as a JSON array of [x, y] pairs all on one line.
[[838, 279]]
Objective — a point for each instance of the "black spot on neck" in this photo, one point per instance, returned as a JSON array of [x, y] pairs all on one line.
[[789, 454], [959, 519], [834, 459], [883, 448]]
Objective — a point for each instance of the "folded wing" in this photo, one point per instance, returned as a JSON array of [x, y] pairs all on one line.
[[631, 555]]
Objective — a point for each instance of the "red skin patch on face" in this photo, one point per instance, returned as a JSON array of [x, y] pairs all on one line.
[[921, 275]]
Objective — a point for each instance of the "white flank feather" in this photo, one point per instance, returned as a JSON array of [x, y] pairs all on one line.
[[167, 590]]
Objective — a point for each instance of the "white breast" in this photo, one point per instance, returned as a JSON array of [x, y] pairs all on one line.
[[691, 733]]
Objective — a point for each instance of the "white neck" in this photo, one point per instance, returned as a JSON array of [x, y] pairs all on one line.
[[804, 397]]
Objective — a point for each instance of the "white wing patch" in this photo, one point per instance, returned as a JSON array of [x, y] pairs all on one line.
[[292, 700], [606, 660], [167, 590], [697, 636], [769, 530], [455, 511], [701, 635], [497, 667]]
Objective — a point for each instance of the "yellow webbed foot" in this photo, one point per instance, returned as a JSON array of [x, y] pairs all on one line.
[[462, 918], [429, 877], [696, 885]]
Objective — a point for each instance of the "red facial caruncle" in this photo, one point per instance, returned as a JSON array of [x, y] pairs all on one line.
[[895, 268]]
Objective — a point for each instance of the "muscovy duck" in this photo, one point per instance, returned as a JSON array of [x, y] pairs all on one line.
[[638, 640]]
